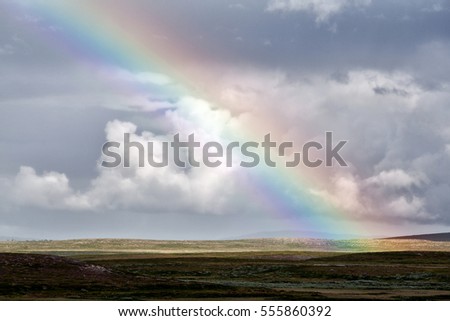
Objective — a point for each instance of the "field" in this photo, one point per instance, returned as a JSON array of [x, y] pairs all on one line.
[[264, 269]]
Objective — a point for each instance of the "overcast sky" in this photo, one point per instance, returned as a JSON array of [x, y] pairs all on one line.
[[376, 73]]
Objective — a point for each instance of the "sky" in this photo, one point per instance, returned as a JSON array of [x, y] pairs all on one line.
[[75, 74]]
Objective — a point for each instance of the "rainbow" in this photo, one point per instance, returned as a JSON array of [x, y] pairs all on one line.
[[120, 35]]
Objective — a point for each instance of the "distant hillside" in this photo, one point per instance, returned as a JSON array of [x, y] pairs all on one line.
[[89, 246], [437, 237], [296, 234]]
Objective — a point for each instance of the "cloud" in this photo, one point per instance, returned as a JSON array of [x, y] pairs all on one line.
[[239, 6], [435, 7], [344, 195], [123, 90], [322, 9], [404, 208], [396, 178], [385, 197], [143, 189], [397, 150], [49, 190], [390, 91], [6, 49], [397, 143], [143, 77]]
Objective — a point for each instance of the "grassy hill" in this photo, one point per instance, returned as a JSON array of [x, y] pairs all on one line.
[[437, 237], [238, 276], [262, 269], [71, 247]]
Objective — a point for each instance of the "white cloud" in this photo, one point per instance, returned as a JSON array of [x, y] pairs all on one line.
[[396, 178], [156, 190], [404, 208], [49, 190], [345, 195], [322, 9]]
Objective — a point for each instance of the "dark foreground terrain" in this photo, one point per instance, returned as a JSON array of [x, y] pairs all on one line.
[[274, 275]]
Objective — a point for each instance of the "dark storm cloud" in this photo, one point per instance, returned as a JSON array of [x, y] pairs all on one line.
[[379, 35], [382, 35]]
